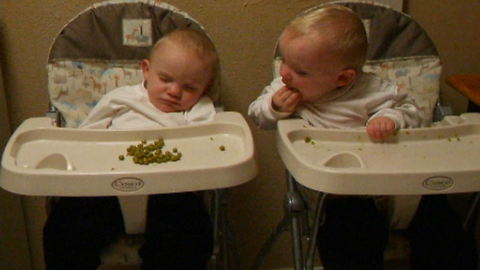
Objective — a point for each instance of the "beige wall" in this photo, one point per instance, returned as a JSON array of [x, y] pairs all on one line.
[[14, 250], [452, 28], [245, 32]]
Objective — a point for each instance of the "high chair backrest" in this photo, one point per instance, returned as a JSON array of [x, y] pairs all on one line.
[[399, 50], [101, 49]]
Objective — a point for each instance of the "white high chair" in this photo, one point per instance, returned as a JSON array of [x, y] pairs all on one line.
[[99, 50], [332, 161]]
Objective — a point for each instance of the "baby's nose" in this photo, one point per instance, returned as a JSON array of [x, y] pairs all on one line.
[[286, 74], [175, 90], [287, 78]]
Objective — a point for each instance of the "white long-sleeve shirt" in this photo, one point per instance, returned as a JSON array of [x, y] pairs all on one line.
[[129, 107], [349, 107]]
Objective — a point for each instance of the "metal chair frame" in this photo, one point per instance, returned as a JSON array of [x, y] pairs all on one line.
[[296, 219]]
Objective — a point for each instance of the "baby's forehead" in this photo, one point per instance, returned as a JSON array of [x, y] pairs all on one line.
[[164, 45], [314, 41], [170, 45]]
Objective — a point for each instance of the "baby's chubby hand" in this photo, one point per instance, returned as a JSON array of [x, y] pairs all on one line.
[[286, 100], [380, 128]]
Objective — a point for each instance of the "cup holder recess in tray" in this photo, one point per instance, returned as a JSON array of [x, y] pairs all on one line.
[[343, 160], [55, 161]]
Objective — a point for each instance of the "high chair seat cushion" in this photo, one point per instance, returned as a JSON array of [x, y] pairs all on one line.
[[419, 77], [75, 87]]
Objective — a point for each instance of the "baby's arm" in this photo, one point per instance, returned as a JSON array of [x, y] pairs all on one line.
[[380, 128], [390, 111], [100, 117], [262, 110], [109, 106]]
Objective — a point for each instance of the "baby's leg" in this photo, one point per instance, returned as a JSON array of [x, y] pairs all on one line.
[[77, 230], [438, 240], [354, 235], [179, 233]]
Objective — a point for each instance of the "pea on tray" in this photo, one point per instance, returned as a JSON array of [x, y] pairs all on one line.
[[145, 154]]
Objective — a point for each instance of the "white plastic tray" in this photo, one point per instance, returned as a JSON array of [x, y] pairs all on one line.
[[43, 160], [444, 158]]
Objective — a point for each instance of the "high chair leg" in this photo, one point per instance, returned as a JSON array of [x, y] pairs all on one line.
[[267, 246], [222, 228], [295, 209], [224, 254], [319, 210], [214, 213]]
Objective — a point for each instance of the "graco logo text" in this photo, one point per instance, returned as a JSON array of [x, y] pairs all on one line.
[[127, 184], [438, 182]]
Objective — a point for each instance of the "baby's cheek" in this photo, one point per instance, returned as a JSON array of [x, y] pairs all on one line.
[[308, 97], [188, 101]]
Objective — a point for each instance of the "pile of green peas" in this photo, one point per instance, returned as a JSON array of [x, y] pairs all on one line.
[[145, 154]]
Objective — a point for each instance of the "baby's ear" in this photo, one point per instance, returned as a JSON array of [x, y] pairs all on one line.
[[346, 77], [145, 64]]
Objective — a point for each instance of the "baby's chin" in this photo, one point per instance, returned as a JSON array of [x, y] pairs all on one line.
[[166, 108]]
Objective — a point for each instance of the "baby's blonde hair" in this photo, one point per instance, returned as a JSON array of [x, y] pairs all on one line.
[[197, 42], [341, 25]]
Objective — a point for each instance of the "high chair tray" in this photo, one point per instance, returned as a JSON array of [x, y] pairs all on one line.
[[444, 158], [43, 160]]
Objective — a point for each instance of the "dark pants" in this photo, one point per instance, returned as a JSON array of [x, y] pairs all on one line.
[[178, 234], [355, 234]]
